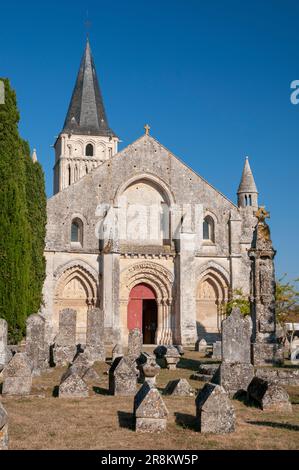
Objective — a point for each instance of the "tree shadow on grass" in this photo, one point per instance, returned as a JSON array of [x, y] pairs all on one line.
[[190, 364], [186, 421], [100, 391], [290, 427], [126, 420]]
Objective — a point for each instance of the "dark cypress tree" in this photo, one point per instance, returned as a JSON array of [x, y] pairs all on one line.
[[15, 246], [36, 207]]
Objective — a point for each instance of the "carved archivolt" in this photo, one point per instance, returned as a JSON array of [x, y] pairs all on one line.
[[77, 270], [217, 276], [157, 276]]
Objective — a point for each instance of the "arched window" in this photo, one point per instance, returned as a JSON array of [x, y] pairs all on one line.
[[77, 231], [246, 200], [89, 150], [69, 175], [208, 229], [250, 201]]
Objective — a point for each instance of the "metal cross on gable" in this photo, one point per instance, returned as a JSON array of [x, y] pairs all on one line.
[[147, 129]]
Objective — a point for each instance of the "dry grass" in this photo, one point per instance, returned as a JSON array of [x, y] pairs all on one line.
[[105, 422]]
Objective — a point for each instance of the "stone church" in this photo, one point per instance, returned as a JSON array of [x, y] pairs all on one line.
[[138, 233]]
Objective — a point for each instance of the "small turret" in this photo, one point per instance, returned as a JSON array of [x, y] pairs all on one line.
[[247, 191]]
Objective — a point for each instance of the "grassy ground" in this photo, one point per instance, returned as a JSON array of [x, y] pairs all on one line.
[[105, 422]]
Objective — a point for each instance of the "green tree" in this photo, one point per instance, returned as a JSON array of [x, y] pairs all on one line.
[[238, 300], [14, 226], [287, 300], [36, 209]]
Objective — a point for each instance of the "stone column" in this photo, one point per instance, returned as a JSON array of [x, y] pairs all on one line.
[[95, 334], [36, 348], [265, 347], [236, 370], [185, 283]]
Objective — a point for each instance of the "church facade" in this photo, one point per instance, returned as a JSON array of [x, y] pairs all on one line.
[[138, 233]]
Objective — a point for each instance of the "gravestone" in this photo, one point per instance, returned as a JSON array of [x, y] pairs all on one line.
[[266, 349], [36, 348], [168, 356], [148, 368], [295, 356], [17, 375], [95, 334], [117, 351], [123, 377], [150, 411], [135, 341], [65, 342], [5, 353], [236, 370], [217, 351], [269, 395], [179, 387], [3, 428], [201, 346], [214, 410], [72, 386]]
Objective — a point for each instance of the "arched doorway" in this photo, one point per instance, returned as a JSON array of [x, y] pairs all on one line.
[[143, 312]]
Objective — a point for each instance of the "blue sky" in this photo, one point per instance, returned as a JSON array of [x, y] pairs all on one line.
[[212, 78]]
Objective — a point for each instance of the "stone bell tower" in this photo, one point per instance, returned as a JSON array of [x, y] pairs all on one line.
[[86, 139]]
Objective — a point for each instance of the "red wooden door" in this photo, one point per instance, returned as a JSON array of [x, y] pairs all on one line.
[[135, 305]]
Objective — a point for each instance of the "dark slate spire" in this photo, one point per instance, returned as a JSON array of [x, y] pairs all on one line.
[[86, 114]]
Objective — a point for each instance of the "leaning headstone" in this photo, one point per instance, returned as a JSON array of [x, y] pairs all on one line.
[[79, 366], [65, 342], [135, 341], [217, 351], [150, 411], [3, 428], [236, 370], [72, 386], [206, 372], [179, 387], [17, 376], [35, 342], [122, 377], [201, 346], [148, 368], [269, 395], [117, 351], [95, 334], [5, 353], [214, 410]]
